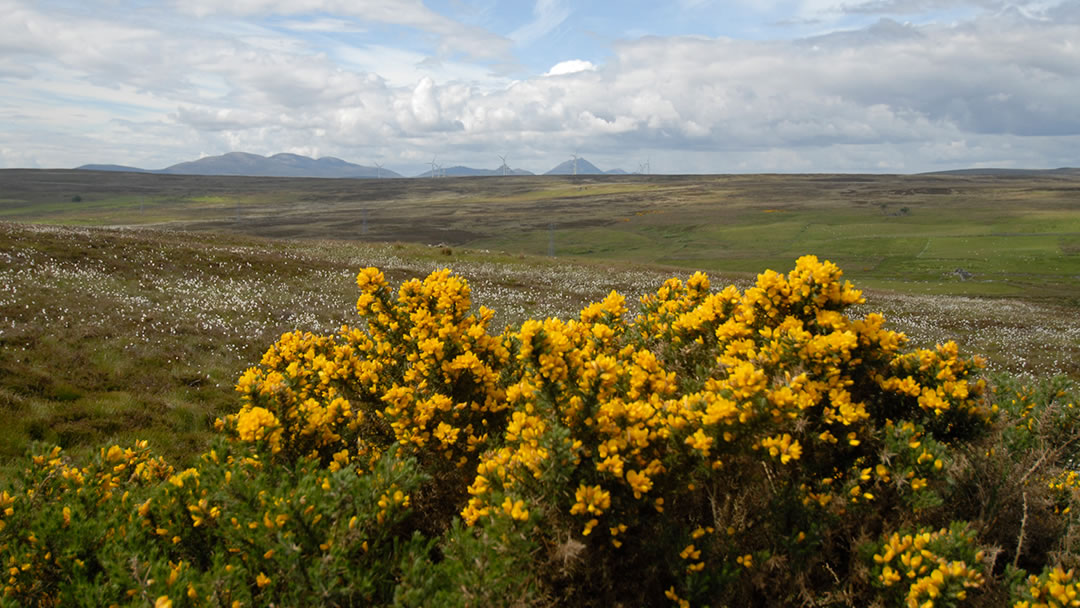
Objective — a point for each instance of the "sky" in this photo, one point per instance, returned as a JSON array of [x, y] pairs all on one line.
[[687, 86]]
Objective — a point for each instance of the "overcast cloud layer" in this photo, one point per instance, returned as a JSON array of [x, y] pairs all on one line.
[[691, 86]]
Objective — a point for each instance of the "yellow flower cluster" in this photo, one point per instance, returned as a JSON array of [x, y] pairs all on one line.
[[711, 376], [1056, 588], [1039, 416], [939, 380], [421, 371], [257, 423], [611, 418], [103, 485], [7, 507], [392, 499], [293, 402], [1065, 488], [916, 459], [197, 506], [782, 447], [932, 579]]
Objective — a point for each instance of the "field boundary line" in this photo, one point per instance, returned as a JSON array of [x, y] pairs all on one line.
[[924, 248]]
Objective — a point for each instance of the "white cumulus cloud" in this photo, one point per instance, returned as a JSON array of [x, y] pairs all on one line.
[[571, 66], [999, 87]]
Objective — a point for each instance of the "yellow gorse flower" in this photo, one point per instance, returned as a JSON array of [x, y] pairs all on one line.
[[720, 383], [917, 560]]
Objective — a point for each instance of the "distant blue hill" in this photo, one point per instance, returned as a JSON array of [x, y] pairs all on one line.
[[254, 165], [459, 171], [996, 172], [278, 165], [121, 168], [584, 167], [295, 165]]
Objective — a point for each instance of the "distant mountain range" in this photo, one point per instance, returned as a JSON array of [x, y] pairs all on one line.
[[583, 167], [253, 165], [995, 172], [294, 165], [114, 168], [460, 171]]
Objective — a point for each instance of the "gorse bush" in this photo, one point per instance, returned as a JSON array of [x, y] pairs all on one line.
[[718, 447], [234, 531]]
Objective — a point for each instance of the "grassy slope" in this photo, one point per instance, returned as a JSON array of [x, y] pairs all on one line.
[[109, 334]]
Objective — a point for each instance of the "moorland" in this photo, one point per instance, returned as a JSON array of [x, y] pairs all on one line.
[[958, 234], [188, 278], [130, 304]]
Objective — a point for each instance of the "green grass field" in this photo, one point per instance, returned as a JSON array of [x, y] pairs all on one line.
[[961, 235]]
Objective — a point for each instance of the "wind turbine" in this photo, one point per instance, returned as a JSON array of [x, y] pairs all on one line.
[[503, 159], [432, 167], [378, 170], [575, 163]]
